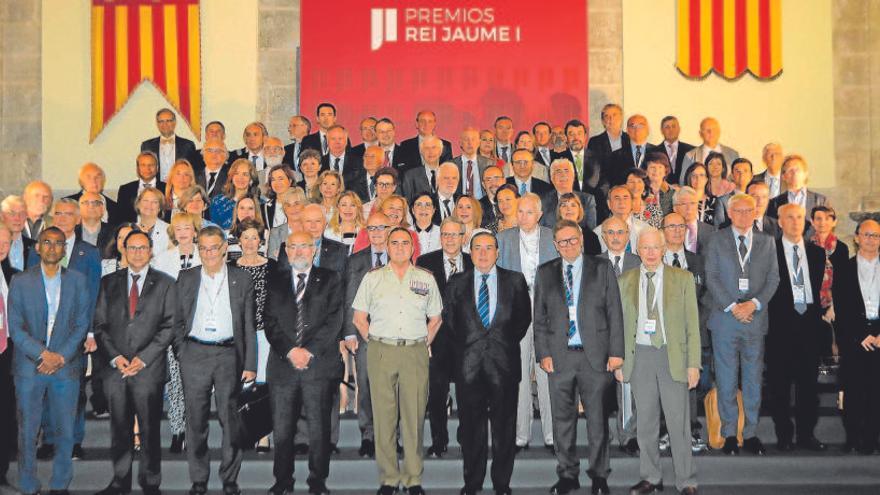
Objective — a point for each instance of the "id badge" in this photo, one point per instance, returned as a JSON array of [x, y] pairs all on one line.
[[743, 285], [572, 313], [650, 327], [800, 295]]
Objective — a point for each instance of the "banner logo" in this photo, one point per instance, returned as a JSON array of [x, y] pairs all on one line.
[[383, 27], [441, 25]]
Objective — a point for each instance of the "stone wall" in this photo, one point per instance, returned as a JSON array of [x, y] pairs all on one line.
[[278, 27], [20, 94]]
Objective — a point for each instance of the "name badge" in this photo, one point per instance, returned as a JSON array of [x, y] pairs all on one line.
[[743, 285], [800, 295], [572, 313], [419, 288], [650, 327]]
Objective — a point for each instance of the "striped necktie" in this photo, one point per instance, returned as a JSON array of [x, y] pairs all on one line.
[[483, 303], [300, 307], [569, 298]]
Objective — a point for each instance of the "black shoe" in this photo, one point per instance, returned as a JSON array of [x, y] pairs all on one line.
[[263, 449], [198, 489], [730, 446], [466, 491], [45, 452], [754, 446], [550, 448], [631, 447], [151, 490], [644, 487], [600, 486], [177, 442], [281, 489], [59, 492], [519, 448], [565, 485], [231, 489], [113, 490], [386, 490], [784, 445], [811, 443], [4, 481], [415, 490], [334, 450], [436, 451], [368, 449], [300, 449], [78, 453], [319, 489]]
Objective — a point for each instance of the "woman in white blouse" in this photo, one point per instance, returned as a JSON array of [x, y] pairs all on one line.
[[423, 215], [347, 219], [184, 254], [149, 205]]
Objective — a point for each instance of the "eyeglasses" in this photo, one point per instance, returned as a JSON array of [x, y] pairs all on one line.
[[870, 235], [521, 162], [675, 226], [300, 246], [137, 249], [210, 249], [376, 228], [384, 184], [49, 244], [571, 241]]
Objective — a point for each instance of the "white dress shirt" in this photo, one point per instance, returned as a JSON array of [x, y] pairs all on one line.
[[429, 239], [166, 157], [787, 247], [447, 266], [528, 254], [869, 283], [669, 257], [642, 337], [212, 321]]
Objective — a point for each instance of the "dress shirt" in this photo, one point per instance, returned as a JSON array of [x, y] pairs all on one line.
[[322, 139], [774, 182], [643, 338], [442, 205], [576, 272], [544, 152], [280, 217], [706, 150], [520, 183], [799, 198], [787, 247], [447, 266], [142, 183], [491, 284], [509, 149], [529, 243], [475, 175], [383, 256], [16, 253], [332, 159], [140, 283], [68, 248], [294, 279], [617, 260], [213, 303], [166, 156], [53, 300], [671, 151], [759, 223], [91, 236], [749, 235], [668, 258], [869, 283], [429, 238], [317, 259], [643, 148]]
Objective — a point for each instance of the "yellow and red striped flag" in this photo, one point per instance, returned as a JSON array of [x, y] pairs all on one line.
[[729, 37], [145, 40]]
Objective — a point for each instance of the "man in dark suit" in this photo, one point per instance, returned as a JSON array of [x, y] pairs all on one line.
[[254, 137], [368, 136], [326, 113], [91, 229], [215, 342], [92, 179], [488, 314], [631, 155], [443, 264], [411, 149], [363, 183], [794, 176], [471, 165], [562, 175], [13, 213], [504, 146], [795, 334], [674, 149], [331, 254], [422, 177], [587, 165], [493, 178], [578, 342], [303, 325], [523, 165], [213, 176], [445, 197], [167, 146], [772, 157], [8, 420], [339, 158], [213, 130], [147, 168], [134, 325], [392, 154], [613, 138], [697, 233], [541, 131], [298, 128], [763, 222], [48, 363]]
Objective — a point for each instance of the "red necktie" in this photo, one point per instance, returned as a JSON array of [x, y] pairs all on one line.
[[4, 333], [386, 162], [133, 295]]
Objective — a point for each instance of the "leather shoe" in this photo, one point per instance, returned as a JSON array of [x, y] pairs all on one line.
[[754, 446], [231, 489], [78, 453], [689, 490], [519, 448], [386, 490], [550, 448], [631, 447], [645, 486], [281, 489], [730, 446], [436, 450], [415, 490], [467, 491], [151, 490], [785, 445], [600, 487], [503, 491], [368, 449], [565, 485], [198, 489], [811, 443], [319, 489], [112, 490]]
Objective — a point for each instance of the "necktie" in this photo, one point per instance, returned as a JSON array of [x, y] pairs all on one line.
[[617, 265], [378, 262], [546, 154], [446, 208], [470, 178], [133, 295], [433, 181], [692, 237], [324, 144], [743, 250], [386, 163], [483, 303], [774, 188], [300, 318], [579, 165], [800, 307], [675, 261], [372, 187], [453, 268], [569, 298], [336, 164], [504, 153], [651, 304], [758, 226], [523, 189], [4, 333], [211, 180], [638, 154], [670, 153], [254, 160], [145, 185]]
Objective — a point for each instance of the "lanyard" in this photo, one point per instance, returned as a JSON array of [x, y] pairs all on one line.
[[212, 301], [743, 260]]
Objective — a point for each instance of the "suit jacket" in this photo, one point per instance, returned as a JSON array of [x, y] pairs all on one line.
[[681, 322], [268, 212], [359, 183], [488, 211], [600, 144], [762, 177], [146, 334], [104, 235], [599, 315], [322, 329], [85, 259], [219, 182], [8, 271], [28, 316], [126, 197], [434, 262], [508, 248], [414, 182], [289, 158], [493, 350], [677, 169], [242, 300], [550, 201], [334, 256], [696, 264], [112, 207], [27, 248], [593, 177], [359, 264], [536, 186], [482, 164], [352, 166], [782, 310], [437, 219], [277, 236], [849, 307], [704, 233], [629, 261], [183, 148], [619, 161], [813, 199], [412, 157], [771, 227], [722, 280], [313, 141], [696, 155]]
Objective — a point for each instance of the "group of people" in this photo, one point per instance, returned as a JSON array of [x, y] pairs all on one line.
[[590, 267]]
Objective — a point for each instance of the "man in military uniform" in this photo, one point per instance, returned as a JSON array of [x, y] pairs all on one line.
[[391, 308]]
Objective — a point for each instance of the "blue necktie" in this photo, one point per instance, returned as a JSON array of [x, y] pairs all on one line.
[[522, 189], [569, 298], [483, 302]]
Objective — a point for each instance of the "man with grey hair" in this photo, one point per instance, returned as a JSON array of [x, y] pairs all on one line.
[[37, 198], [13, 213], [411, 149], [447, 184], [562, 176], [633, 155], [167, 146], [471, 164], [298, 128], [772, 157], [710, 132], [273, 154], [684, 202], [422, 177], [213, 176]]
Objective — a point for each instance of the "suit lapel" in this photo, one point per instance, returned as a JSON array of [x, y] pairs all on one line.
[[149, 282], [191, 296]]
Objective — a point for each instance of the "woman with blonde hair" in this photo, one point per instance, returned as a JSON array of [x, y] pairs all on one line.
[[242, 180], [180, 178], [487, 148], [469, 211], [326, 191], [347, 219]]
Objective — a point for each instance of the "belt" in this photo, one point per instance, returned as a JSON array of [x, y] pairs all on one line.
[[215, 343], [577, 348], [398, 342]]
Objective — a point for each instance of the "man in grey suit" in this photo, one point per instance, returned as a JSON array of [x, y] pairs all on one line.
[[741, 277], [697, 233], [579, 342], [48, 315], [423, 177], [562, 175], [215, 341], [471, 165], [523, 249], [710, 131]]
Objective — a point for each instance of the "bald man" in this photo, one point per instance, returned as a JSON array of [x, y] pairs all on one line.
[[422, 177], [710, 133], [254, 137], [92, 179], [633, 154]]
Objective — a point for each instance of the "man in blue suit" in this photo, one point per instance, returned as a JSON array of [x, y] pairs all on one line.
[[84, 258], [49, 315]]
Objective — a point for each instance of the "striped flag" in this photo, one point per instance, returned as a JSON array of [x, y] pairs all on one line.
[[145, 40], [729, 37]]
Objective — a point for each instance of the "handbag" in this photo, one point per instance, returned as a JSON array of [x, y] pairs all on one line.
[[254, 414]]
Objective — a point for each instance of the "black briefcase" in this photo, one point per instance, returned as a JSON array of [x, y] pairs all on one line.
[[254, 414]]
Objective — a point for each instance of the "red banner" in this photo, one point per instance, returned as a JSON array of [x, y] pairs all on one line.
[[468, 61]]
